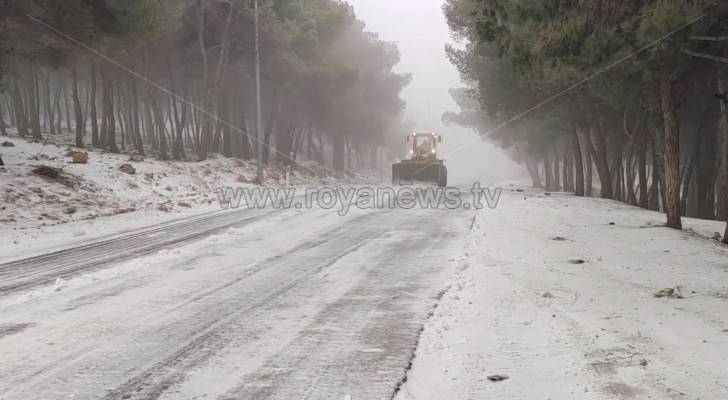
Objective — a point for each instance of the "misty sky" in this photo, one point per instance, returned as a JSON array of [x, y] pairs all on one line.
[[421, 32]]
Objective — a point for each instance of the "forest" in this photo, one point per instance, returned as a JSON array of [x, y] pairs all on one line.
[[176, 79], [625, 99]]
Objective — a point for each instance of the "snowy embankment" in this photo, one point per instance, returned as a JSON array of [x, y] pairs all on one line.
[[113, 193], [567, 298]]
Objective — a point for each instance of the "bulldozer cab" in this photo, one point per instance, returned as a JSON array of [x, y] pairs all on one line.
[[422, 164], [424, 145]]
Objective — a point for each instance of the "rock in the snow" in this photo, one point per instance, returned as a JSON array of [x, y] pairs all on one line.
[[670, 293], [80, 157], [8, 144], [577, 261], [127, 169], [45, 170], [498, 378]]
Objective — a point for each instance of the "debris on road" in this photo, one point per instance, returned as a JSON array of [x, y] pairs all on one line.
[[670, 293], [498, 378]]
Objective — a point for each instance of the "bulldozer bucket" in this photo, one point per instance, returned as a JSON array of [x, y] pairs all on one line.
[[410, 173]]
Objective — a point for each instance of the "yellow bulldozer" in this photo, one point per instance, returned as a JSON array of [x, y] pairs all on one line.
[[423, 164]]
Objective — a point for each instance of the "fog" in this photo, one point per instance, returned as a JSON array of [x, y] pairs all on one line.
[[421, 32]]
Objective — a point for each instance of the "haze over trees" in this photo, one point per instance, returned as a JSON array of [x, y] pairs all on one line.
[[184, 83], [650, 129]]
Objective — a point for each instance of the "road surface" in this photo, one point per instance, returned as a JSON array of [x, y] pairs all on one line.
[[249, 304]]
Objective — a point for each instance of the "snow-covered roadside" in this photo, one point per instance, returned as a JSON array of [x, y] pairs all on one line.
[[554, 297], [22, 243], [97, 199]]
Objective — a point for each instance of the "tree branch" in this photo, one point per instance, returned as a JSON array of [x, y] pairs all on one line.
[[709, 38], [706, 56]]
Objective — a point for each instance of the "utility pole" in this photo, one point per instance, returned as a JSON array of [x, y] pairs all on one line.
[[259, 113]]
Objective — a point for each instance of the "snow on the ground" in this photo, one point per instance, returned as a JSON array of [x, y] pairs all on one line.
[[265, 308], [97, 199], [554, 297]]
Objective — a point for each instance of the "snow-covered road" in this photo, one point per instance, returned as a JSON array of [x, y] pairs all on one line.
[[555, 292], [247, 304]]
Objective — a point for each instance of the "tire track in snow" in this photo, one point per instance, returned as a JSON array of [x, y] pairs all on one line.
[[45, 269], [162, 375], [214, 306], [361, 345]]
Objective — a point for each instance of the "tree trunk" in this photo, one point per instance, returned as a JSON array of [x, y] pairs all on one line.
[[284, 144], [34, 102], [339, 148], [671, 154], [77, 108], [135, 128], [21, 120], [642, 171], [654, 198], [688, 177], [92, 111], [722, 186], [724, 151], [629, 173], [588, 151], [321, 156], [3, 126], [109, 113], [600, 156], [548, 170], [557, 172], [181, 121], [48, 120], [159, 118], [67, 108], [532, 168], [226, 142], [578, 163], [269, 131], [246, 149], [565, 170]]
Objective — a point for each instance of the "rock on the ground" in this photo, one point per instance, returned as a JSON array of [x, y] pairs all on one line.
[[127, 169], [80, 157], [45, 170]]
